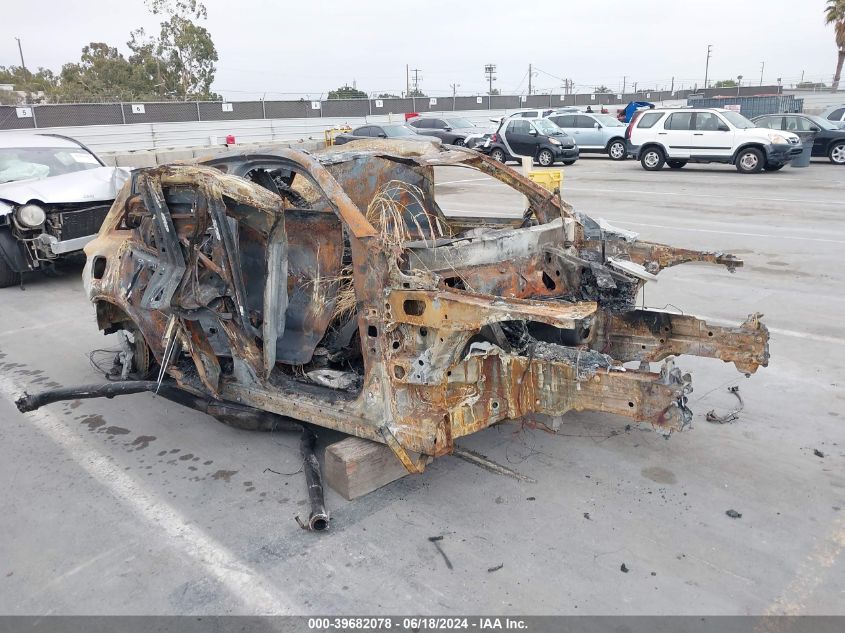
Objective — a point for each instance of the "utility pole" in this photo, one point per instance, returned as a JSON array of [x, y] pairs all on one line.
[[416, 72], [624, 83], [738, 84], [407, 81], [707, 65], [455, 89], [672, 89], [23, 63], [529, 78], [635, 87], [490, 70], [762, 66]]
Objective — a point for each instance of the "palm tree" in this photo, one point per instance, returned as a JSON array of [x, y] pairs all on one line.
[[834, 13]]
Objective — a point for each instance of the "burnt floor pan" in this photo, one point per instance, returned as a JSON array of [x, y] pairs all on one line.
[[330, 288]]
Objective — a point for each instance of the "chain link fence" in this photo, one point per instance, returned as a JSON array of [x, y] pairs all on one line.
[[85, 114]]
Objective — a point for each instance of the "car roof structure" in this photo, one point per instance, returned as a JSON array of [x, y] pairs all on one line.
[[16, 139]]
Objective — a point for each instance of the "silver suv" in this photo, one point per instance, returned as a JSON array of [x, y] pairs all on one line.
[[594, 132]]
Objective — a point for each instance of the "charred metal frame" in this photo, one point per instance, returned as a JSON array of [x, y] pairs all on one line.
[[489, 321]]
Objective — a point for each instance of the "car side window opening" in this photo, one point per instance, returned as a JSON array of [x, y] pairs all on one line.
[[836, 115], [567, 120], [519, 127], [648, 119], [438, 124], [583, 121], [706, 122], [418, 123], [679, 121], [799, 124]]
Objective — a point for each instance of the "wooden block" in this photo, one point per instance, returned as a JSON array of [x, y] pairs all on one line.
[[354, 467]]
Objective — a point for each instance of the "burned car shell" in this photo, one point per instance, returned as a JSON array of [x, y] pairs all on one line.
[[453, 324], [74, 204]]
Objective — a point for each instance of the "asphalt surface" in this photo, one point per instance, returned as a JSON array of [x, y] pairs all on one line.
[[137, 506]]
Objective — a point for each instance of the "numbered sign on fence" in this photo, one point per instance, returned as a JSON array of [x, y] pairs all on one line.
[[379, 103], [227, 107], [24, 113], [432, 101], [479, 100], [137, 108], [315, 105]]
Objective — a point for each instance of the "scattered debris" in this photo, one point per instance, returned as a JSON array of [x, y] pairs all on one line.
[[487, 464], [587, 516], [654, 573], [731, 415], [333, 378], [734, 514], [436, 540], [624, 568], [818, 453], [496, 568], [531, 498]]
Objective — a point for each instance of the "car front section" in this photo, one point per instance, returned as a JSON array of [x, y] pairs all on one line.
[[41, 222]]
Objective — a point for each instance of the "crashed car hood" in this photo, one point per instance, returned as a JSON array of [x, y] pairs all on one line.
[[92, 185]]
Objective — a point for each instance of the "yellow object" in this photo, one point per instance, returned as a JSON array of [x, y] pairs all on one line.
[[332, 132], [550, 179]]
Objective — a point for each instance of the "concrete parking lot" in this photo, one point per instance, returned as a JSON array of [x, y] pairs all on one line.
[[138, 506]]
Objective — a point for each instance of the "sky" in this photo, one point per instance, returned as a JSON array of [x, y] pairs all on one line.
[[281, 48]]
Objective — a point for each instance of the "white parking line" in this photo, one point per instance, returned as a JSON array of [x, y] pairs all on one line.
[[658, 193], [820, 338], [702, 195], [510, 213], [256, 594], [765, 235], [455, 182]]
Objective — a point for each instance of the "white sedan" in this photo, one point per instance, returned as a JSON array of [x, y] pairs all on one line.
[[54, 195]]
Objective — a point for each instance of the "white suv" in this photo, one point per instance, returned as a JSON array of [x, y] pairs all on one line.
[[676, 137]]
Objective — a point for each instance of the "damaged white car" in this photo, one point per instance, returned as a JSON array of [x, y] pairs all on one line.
[[54, 195]]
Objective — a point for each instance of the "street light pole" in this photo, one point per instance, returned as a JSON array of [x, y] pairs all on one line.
[[707, 65], [738, 84], [762, 66], [23, 63]]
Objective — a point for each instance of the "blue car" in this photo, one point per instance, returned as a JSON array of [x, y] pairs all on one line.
[[632, 107]]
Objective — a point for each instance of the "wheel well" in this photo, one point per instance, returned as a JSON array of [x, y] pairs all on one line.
[[110, 317], [649, 146], [833, 143], [613, 140], [741, 148]]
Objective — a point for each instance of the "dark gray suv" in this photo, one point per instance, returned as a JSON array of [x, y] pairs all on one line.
[[450, 130]]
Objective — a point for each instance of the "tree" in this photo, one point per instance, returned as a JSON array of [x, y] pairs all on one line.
[[43, 80], [102, 73], [387, 95], [347, 92], [185, 48], [602, 90], [179, 63], [416, 92], [494, 92], [725, 83], [834, 13]]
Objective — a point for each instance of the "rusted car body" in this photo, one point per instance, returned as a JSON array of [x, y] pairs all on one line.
[[332, 289]]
